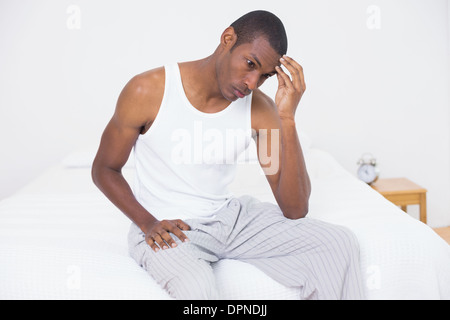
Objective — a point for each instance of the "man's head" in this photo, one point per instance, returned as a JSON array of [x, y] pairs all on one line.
[[249, 51], [261, 23]]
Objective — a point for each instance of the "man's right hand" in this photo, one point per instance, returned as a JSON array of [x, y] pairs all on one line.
[[158, 236]]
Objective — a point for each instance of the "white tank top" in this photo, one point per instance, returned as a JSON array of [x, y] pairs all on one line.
[[186, 160]]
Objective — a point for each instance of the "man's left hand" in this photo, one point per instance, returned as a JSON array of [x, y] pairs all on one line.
[[290, 91]]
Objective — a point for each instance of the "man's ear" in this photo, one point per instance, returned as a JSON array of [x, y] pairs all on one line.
[[228, 38]]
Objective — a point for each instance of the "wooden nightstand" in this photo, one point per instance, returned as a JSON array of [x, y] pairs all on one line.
[[403, 192]]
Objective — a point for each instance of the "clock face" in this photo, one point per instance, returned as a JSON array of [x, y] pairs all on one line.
[[367, 173]]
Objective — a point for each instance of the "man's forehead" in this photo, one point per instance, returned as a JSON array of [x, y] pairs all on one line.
[[263, 53]]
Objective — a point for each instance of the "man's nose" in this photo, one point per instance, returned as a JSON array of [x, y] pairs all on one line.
[[252, 81]]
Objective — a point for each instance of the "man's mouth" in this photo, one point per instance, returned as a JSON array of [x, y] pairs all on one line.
[[239, 94]]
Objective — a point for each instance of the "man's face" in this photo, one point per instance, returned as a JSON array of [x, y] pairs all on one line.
[[245, 68]]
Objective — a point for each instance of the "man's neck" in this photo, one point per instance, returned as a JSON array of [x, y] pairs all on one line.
[[201, 87]]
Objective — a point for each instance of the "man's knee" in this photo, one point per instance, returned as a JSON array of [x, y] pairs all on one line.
[[335, 237], [184, 276], [348, 238], [198, 285]]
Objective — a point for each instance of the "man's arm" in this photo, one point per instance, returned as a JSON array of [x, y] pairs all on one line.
[[286, 173], [136, 108]]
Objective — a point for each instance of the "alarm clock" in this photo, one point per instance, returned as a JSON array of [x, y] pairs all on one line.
[[368, 171]]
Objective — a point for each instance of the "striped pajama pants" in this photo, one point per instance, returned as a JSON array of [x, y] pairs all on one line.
[[319, 258]]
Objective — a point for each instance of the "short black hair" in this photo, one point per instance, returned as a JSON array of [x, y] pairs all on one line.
[[261, 23]]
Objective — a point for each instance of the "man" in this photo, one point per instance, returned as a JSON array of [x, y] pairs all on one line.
[[179, 119]]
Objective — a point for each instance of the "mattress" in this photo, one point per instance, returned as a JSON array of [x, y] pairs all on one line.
[[60, 238]]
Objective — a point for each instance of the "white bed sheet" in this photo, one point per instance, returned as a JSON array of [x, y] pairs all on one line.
[[60, 238]]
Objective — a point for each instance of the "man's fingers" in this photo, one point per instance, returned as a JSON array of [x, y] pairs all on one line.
[[285, 61], [296, 71], [153, 245], [180, 235], [182, 225], [174, 230], [283, 78], [280, 78], [168, 239], [177, 230], [293, 63], [160, 242], [161, 237], [157, 243]]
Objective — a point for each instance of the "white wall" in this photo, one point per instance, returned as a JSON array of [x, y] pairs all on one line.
[[378, 80], [448, 86]]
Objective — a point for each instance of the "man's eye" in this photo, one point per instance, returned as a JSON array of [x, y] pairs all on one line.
[[250, 64]]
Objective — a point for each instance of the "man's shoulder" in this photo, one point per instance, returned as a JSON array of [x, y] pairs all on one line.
[[261, 101], [148, 82], [141, 97], [264, 111]]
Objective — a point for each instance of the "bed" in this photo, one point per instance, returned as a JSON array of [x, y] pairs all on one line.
[[60, 238]]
